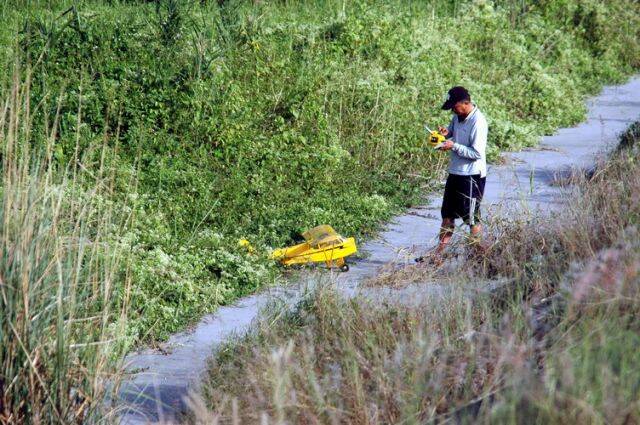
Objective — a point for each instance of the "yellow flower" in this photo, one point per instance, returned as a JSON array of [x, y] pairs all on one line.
[[247, 245]]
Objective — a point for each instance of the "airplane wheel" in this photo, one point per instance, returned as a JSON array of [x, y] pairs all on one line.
[[344, 268]]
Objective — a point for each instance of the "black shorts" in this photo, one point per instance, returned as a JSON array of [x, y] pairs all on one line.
[[461, 194]]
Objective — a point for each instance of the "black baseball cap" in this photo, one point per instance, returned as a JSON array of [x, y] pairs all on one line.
[[455, 95]]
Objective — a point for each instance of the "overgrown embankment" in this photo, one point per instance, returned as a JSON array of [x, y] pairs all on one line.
[[560, 348], [258, 120]]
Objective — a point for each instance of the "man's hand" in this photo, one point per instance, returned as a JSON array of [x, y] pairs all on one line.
[[446, 145], [444, 131]]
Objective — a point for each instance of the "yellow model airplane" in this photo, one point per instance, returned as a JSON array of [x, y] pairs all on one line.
[[322, 245]]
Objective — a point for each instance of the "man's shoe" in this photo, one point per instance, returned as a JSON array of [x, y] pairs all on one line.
[[430, 259]]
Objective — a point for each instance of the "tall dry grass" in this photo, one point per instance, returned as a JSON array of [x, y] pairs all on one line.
[[600, 206], [568, 358], [335, 361], [59, 269]]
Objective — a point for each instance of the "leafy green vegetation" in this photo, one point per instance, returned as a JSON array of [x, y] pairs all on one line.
[[234, 119], [556, 346]]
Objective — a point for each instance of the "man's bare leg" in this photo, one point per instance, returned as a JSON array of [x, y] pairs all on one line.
[[476, 233], [446, 232], [444, 236], [476, 239]]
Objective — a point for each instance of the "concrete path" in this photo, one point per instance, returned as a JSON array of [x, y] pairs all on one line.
[[162, 378]]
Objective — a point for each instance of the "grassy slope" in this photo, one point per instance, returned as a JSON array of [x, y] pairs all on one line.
[[340, 361], [260, 120]]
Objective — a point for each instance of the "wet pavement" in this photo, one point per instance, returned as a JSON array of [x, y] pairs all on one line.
[[162, 378]]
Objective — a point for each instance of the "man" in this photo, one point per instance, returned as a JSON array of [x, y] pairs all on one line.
[[467, 142]]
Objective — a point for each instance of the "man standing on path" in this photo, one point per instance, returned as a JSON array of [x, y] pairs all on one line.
[[467, 141]]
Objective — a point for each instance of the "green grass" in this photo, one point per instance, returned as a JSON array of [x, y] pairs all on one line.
[[260, 120], [62, 324], [486, 360]]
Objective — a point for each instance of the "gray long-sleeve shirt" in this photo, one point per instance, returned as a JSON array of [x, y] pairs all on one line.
[[468, 155]]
